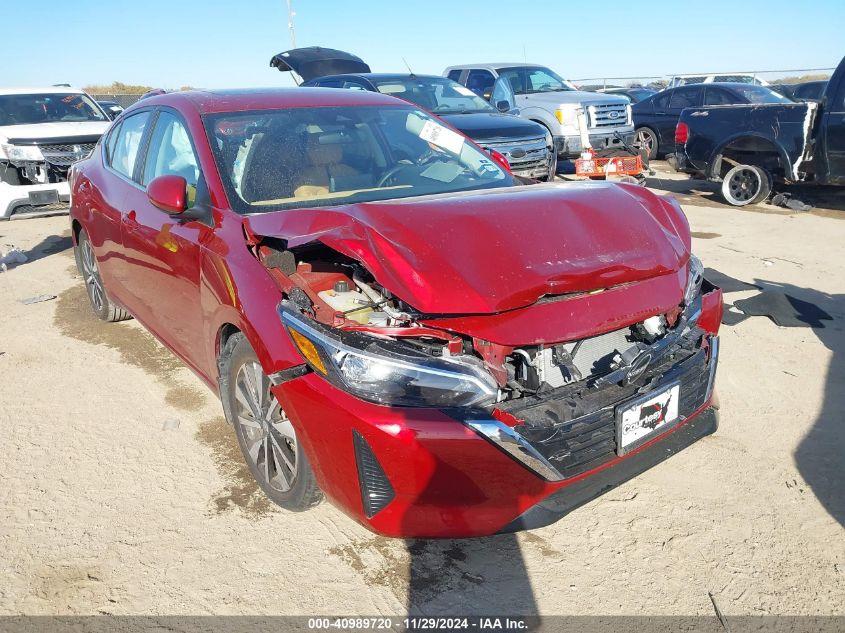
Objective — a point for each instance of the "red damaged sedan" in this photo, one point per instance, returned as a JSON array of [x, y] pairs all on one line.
[[388, 318]]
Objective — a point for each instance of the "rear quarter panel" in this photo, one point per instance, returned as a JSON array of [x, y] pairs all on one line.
[[712, 128]]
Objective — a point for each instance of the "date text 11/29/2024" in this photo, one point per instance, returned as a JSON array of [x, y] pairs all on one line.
[[478, 623]]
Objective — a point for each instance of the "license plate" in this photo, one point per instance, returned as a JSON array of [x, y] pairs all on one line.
[[50, 196], [638, 420]]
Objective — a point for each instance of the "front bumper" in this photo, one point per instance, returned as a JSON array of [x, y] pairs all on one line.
[[570, 146], [52, 197], [442, 479], [559, 504]]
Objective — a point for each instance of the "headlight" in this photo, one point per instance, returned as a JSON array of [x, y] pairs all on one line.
[[567, 116], [387, 372], [695, 277], [22, 152]]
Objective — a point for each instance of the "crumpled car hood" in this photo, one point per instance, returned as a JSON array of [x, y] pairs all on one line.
[[489, 251]]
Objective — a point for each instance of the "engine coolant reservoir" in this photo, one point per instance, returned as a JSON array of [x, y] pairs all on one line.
[[342, 299]]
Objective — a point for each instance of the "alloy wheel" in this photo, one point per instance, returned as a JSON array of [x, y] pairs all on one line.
[[645, 141], [744, 184], [91, 274], [268, 434]]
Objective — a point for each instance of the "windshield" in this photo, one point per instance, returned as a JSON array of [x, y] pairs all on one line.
[[326, 156], [48, 108], [533, 79], [761, 94], [435, 94]]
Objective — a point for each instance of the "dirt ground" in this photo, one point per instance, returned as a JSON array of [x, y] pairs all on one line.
[[122, 490]]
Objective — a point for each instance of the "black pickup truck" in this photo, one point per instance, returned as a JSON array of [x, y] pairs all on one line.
[[750, 148]]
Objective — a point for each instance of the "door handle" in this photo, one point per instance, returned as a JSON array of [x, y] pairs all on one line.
[[130, 220]]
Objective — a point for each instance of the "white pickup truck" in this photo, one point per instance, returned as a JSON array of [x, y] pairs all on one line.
[[541, 95], [43, 131]]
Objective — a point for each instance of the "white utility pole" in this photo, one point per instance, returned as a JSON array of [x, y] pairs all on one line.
[[291, 13]]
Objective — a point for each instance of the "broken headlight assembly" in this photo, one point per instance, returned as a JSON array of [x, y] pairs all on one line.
[[386, 371], [21, 153]]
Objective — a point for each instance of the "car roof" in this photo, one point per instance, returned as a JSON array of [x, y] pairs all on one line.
[[381, 76], [498, 65], [216, 101], [721, 84], [40, 90], [739, 72]]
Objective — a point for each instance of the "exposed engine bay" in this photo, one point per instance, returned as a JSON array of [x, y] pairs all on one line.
[[338, 293]]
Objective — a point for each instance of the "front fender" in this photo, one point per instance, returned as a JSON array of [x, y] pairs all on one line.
[[542, 116], [238, 290]]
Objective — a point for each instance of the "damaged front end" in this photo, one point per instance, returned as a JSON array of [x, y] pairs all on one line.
[[571, 357], [34, 174], [552, 406]]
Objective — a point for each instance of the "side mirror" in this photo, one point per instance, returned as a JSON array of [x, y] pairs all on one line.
[[168, 193], [503, 106]]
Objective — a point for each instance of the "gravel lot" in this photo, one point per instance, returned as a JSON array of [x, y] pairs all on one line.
[[122, 489]]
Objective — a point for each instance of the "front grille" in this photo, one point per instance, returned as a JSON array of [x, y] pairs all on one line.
[[576, 430], [523, 154], [376, 491], [64, 155], [608, 115]]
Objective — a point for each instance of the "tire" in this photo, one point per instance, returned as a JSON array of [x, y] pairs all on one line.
[[768, 185], [266, 436], [86, 264], [744, 185], [646, 138]]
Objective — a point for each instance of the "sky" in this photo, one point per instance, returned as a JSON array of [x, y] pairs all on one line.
[[218, 44]]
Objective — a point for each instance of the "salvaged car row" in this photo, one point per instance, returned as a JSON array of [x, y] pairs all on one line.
[[394, 312], [524, 114]]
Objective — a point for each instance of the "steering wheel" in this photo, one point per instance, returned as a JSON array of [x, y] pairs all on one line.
[[390, 173]]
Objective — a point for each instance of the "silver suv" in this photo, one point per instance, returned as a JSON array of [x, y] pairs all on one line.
[[539, 94]]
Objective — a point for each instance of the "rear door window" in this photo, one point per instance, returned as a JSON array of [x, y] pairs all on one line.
[[719, 96], [455, 75], [690, 97], [128, 143], [111, 142]]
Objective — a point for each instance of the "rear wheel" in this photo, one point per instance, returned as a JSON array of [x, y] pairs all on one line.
[[746, 184], [646, 139], [266, 436], [86, 263]]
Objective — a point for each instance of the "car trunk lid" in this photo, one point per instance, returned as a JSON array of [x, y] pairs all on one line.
[[315, 61]]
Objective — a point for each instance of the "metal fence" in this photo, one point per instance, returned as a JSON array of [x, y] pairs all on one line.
[[123, 100], [795, 75]]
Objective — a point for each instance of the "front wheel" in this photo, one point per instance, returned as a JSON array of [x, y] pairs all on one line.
[[646, 139], [746, 184], [266, 436]]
